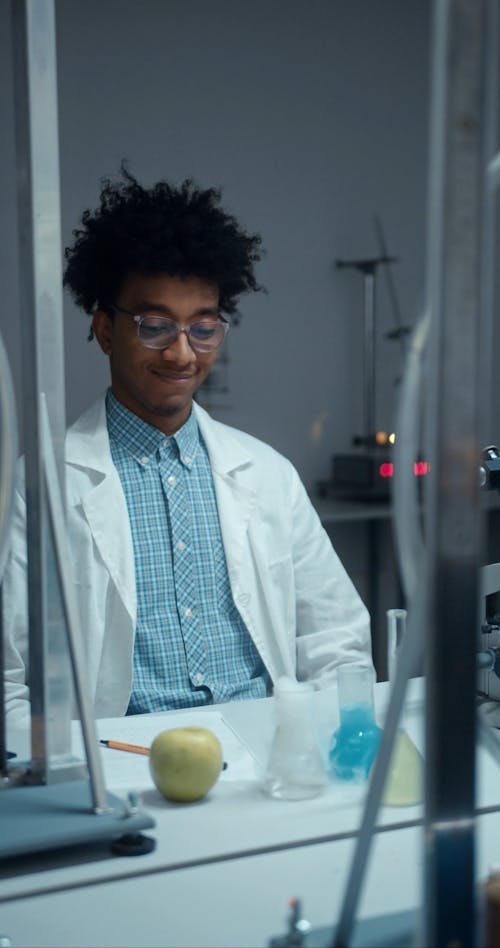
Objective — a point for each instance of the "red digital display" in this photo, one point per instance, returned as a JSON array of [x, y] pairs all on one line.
[[419, 469], [386, 470]]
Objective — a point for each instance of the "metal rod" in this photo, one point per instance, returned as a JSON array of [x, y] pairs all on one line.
[[82, 689], [3, 744], [453, 522], [8, 453], [8, 457], [490, 209], [31, 384], [369, 393], [37, 162]]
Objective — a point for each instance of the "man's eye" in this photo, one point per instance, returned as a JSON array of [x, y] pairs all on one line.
[[156, 327], [204, 330]]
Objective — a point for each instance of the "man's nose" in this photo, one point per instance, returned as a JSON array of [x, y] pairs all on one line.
[[180, 350]]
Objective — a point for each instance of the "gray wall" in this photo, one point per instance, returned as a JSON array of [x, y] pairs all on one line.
[[312, 116]]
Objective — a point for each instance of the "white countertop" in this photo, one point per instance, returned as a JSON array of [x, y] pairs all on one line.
[[242, 853]]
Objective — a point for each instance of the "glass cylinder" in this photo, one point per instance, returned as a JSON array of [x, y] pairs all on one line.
[[355, 743], [404, 782], [396, 629], [295, 770]]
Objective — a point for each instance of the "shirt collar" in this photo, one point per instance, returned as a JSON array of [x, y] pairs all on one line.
[[142, 440]]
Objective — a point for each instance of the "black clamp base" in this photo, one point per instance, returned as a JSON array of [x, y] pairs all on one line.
[[133, 844]]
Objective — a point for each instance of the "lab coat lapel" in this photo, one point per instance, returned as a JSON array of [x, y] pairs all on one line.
[[236, 500], [235, 504], [106, 512], [99, 493]]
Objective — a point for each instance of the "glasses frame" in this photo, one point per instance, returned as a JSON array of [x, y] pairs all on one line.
[[221, 320]]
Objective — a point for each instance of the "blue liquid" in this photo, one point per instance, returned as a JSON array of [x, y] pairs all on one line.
[[355, 743]]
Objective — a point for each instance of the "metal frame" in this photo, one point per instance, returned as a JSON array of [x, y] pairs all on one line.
[[65, 813], [37, 152], [454, 522], [55, 651], [446, 587]]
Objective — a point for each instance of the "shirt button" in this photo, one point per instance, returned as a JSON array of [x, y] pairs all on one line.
[[244, 598], [171, 481], [198, 678], [188, 612], [144, 460], [187, 460], [181, 546]]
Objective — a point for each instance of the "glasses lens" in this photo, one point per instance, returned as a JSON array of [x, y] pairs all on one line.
[[206, 335], [157, 332]]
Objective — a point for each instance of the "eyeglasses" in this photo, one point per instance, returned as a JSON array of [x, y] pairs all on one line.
[[160, 332]]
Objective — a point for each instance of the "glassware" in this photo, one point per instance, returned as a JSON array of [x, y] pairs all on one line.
[[355, 743], [404, 783], [396, 628], [295, 770]]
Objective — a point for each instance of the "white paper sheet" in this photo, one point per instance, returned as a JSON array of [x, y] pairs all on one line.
[[126, 771]]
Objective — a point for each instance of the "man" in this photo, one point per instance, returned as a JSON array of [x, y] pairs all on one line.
[[202, 571]]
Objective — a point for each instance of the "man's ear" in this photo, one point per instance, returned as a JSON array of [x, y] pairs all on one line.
[[102, 326]]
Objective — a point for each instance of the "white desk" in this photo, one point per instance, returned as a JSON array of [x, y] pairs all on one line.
[[224, 868]]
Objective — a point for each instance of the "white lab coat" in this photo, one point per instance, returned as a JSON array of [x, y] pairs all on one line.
[[298, 604]]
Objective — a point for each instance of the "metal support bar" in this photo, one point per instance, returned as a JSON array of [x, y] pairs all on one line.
[[369, 393], [37, 163], [453, 521], [72, 619], [8, 457]]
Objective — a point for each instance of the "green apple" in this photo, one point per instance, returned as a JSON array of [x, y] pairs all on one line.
[[185, 762]]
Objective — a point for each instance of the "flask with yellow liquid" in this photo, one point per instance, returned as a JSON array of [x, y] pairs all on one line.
[[404, 783]]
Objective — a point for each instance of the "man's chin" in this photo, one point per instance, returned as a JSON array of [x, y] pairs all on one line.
[[173, 407]]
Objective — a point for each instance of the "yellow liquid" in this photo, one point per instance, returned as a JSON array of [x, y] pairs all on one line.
[[404, 784]]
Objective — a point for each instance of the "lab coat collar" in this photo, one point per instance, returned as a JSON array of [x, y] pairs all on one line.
[[87, 442]]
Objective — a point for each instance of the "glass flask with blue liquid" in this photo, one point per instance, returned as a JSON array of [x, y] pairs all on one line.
[[355, 743]]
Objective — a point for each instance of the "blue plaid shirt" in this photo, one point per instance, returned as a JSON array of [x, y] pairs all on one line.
[[191, 646]]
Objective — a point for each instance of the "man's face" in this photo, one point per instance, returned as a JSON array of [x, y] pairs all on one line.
[[157, 384]]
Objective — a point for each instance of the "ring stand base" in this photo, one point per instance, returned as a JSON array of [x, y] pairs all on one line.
[[386, 931], [36, 819]]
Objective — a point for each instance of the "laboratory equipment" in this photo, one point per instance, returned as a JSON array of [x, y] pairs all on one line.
[[8, 456], [295, 768], [8, 453], [355, 743], [396, 628], [366, 473], [405, 778], [488, 658], [443, 583], [357, 474], [492, 908], [51, 799]]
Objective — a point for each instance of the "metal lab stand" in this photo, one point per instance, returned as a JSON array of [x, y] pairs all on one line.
[[443, 603], [48, 801]]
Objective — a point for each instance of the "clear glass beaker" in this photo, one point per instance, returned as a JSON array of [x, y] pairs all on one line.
[[294, 770], [355, 743]]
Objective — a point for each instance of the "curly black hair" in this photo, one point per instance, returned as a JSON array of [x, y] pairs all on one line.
[[179, 231]]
